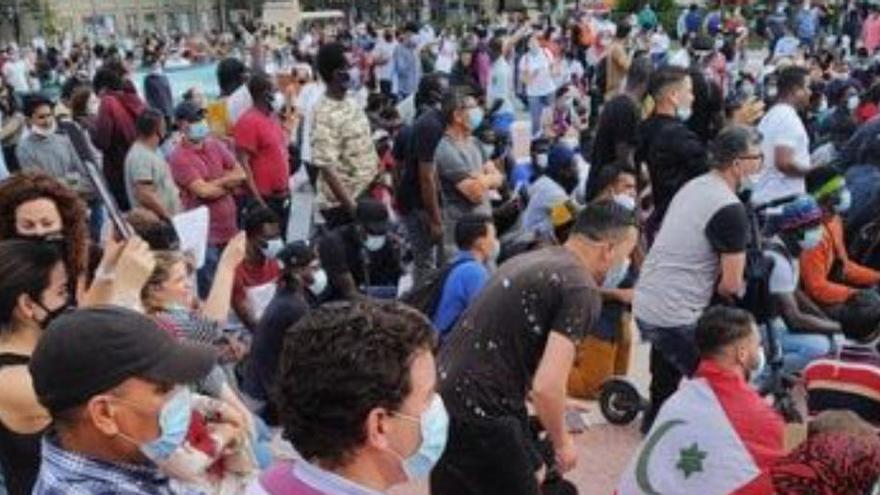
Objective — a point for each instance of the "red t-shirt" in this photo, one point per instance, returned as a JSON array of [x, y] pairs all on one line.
[[266, 142], [208, 162], [252, 275]]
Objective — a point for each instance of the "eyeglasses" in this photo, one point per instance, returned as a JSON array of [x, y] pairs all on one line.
[[756, 156]]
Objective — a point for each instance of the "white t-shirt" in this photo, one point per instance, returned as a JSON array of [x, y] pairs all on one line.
[[16, 75], [681, 58], [537, 65], [308, 97], [501, 85], [659, 43], [384, 50], [785, 274], [446, 55], [781, 127]]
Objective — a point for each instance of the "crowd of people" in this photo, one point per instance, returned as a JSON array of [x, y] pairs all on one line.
[[424, 248]]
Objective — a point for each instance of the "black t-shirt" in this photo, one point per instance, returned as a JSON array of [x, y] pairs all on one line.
[[422, 140], [286, 308], [674, 155], [342, 251], [488, 361], [618, 122]]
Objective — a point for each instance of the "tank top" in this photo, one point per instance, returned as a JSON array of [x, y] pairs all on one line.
[[19, 452]]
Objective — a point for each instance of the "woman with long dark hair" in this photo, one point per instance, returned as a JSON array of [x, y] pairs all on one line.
[[33, 291]]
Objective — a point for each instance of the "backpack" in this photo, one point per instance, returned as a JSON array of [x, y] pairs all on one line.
[[759, 266], [426, 297]]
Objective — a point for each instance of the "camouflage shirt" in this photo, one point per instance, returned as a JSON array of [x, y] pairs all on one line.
[[341, 142]]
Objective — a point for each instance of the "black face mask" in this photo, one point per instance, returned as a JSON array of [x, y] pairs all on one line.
[[54, 237], [342, 78], [53, 314]]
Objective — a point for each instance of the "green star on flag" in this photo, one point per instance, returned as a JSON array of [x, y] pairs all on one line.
[[691, 460]]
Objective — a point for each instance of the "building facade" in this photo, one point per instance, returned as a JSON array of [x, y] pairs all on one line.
[[102, 18]]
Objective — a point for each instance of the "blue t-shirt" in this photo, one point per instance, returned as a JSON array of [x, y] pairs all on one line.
[[462, 285]]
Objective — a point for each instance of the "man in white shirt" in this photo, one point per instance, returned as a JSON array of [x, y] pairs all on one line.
[[447, 54], [15, 72], [500, 79], [537, 74], [382, 55], [786, 145]]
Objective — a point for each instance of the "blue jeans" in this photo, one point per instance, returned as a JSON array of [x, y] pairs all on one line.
[[798, 349], [427, 254], [537, 104], [385, 292], [205, 275], [96, 220]]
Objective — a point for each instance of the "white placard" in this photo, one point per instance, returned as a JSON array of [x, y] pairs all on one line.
[[192, 229]]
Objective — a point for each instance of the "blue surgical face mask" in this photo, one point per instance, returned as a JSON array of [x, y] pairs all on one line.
[[434, 427], [844, 203], [811, 239], [174, 418], [475, 117], [198, 131], [488, 150], [616, 275]]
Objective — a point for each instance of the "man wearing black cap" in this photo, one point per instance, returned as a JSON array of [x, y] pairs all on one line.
[[148, 177], [361, 255], [114, 384], [207, 174], [300, 286]]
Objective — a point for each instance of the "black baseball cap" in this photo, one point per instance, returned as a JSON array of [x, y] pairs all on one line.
[[90, 351], [189, 111], [373, 215], [297, 254]]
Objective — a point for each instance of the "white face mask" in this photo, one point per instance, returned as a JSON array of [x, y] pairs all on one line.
[[758, 366], [93, 105], [319, 282], [625, 200], [852, 103], [277, 102], [374, 243], [541, 160], [44, 132], [273, 247]]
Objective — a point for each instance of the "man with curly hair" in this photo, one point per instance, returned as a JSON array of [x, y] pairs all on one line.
[[356, 399]]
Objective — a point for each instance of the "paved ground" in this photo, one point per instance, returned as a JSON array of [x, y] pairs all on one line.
[[605, 449]]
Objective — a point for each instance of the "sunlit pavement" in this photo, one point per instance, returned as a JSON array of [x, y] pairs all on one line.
[[605, 449]]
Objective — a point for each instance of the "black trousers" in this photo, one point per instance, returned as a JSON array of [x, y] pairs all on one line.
[[486, 457], [336, 217], [673, 356]]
